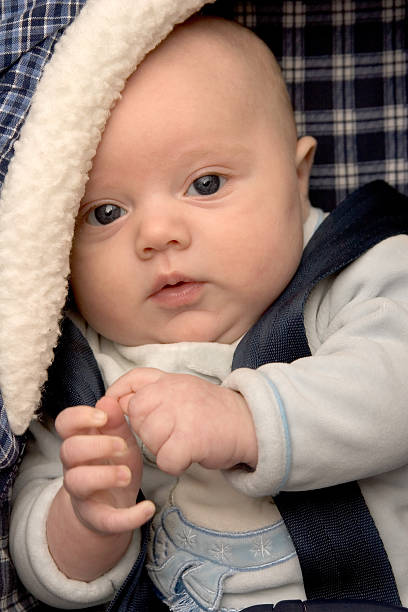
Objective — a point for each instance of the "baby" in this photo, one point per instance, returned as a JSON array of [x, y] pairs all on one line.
[[194, 221]]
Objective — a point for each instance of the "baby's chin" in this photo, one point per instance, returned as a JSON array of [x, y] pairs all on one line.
[[202, 327], [184, 326], [190, 331], [202, 334]]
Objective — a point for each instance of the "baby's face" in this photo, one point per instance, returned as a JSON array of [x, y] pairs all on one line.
[[191, 224]]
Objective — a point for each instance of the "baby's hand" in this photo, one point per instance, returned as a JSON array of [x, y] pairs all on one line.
[[184, 419], [102, 467]]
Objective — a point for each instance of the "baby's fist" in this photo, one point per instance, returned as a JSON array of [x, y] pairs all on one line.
[[184, 419]]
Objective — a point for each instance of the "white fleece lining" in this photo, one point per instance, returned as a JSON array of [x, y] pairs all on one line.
[[47, 176]]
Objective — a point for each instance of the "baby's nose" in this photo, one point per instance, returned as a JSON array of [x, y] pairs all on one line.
[[160, 231]]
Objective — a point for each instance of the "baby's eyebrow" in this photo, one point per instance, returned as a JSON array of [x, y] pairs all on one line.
[[214, 151]]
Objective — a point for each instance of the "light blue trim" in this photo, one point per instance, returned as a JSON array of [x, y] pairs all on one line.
[[188, 564], [288, 444]]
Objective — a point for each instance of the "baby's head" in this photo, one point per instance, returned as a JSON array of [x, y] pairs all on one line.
[[192, 220]]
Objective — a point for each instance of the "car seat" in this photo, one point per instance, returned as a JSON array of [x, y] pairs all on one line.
[[345, 63]]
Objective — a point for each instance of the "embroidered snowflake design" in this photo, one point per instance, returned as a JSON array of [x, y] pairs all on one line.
[[187, 538], [221, 552], [261, 549]]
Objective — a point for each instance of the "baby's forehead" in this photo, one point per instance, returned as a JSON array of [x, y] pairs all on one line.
[[213, 63], [206, 38], [219, 50]]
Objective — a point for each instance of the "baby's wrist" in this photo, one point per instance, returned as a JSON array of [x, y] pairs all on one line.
[[249, 448], [79, 551]]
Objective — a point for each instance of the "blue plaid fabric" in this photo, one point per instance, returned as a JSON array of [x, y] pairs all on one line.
[[346, 67], [12, 595], [28, 32], [9, 447]]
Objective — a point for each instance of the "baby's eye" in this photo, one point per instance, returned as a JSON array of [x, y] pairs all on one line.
[[105, 214], [206, 185]]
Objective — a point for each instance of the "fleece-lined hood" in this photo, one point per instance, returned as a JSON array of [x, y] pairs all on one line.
[[47, 174]]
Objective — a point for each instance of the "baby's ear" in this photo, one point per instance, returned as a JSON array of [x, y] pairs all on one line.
[[305, 152]]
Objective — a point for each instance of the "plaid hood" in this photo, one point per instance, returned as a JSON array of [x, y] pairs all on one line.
[[64, 64]]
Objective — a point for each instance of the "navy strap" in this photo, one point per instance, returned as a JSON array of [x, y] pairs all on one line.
[[74, 378], [339, 548]]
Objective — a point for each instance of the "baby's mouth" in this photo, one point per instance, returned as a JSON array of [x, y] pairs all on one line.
[[179, 284], [176, 292], [169, 281]]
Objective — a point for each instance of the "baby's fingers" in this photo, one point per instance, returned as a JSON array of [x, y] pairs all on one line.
[[78, 450], [77, 419], [105, 519], [85, 480]]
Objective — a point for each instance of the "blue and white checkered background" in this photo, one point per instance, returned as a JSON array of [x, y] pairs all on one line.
[[345, 63]]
